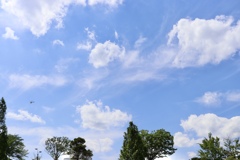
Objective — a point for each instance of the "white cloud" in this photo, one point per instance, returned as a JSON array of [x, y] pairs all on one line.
[[100, 145], [198, 127], [26, 81], [191, 155], [48, 109], [97, 117], [183, 140], [104, 53], [111, 3], [216, 98], [9, 34], [23, 115], [218, 126], [92, 79], [63, 64], [91, 34], [116, 34], [210, 98], [39, 15], [58, 42], [199, 42], [85, 46], [140, 41], [233, 96]]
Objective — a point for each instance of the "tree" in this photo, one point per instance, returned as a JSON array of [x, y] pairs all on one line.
[[78, 149], [16, 148], [211, 149], [3, 131], [158, 143], [133, 147], [56, 146], [232, 148]]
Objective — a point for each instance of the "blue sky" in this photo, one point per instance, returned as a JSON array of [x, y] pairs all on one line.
[[91, 66]]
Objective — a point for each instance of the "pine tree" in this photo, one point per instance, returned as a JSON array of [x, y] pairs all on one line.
[[133, 147], [3, 131]]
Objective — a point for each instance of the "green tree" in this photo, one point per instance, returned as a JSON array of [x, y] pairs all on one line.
[[232, 148], [158, 143], [133, 147], [78, 149], [3, 131], [211, 149], [56, 146], [16, 148]]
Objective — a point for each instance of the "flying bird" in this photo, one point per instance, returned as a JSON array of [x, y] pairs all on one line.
[[31, 102]]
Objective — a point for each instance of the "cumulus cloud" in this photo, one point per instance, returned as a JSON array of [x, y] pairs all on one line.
[[58, 42], [199, 42], [9, 34], [26, 81], [219, 126], [216, 98], [202, 125], [111, 3], [104, 53], [210, 98], [95, 116], [23, 115], [183, 140], [39, 15]]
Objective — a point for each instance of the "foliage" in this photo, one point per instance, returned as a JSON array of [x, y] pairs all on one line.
[[133, 147], [158, 143], [211, 149], [16, 148], [56, 146], [195, 158], [3, 131], [78, 149], [232, 148]]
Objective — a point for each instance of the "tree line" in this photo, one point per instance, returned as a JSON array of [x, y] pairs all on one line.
[[12, 146], [137, 145], [211, 149]]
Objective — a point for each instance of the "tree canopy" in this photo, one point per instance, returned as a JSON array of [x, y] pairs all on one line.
[[78, 149], [133, 147], [56, 146], [16, 148], [158, 143], [210, 148]]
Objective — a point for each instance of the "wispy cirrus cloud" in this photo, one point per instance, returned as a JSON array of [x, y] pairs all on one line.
[[58, 42], [27, 81], [24, 115], [112, 3]]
